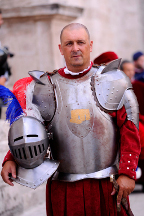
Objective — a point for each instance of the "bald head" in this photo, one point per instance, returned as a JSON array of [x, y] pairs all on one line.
[[74, 26]]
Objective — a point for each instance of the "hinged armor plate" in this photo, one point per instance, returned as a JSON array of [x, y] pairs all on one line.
[[112, 90], [34, 177], [43, 97]]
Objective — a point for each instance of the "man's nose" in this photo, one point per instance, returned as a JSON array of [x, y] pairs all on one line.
[[75, 47]]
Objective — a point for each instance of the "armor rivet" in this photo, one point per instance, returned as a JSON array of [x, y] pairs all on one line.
[[43, 110], [40, 179], [117, 90], [108, 89], [112, 92], [133, 170], [47, 174], [128, 161], [121, 161], [110, 98], [129, 154], [107, 95], [115, 96], [122, 155], [99, 94], [42, 101], [45, 106], [113, 87], [136, 156], [133, 176], [127, 167]]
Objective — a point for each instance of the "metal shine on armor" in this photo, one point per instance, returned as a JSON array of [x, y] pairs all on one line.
[[84, 134]]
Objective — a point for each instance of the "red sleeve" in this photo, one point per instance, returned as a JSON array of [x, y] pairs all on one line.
[[8, 157], [129, 145]]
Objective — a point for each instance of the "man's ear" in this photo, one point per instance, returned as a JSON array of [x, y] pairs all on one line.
[[91, 46], [60, 48]]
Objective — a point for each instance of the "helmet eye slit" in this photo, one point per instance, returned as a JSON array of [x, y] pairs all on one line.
[[18, 138], [32, 135]]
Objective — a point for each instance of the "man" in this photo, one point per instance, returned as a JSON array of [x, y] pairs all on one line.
[[80, 138], [138, 59], [128, 68]]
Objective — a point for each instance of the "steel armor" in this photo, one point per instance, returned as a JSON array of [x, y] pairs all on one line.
[[84, 134]]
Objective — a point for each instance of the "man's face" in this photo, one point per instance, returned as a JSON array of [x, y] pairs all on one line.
[[128, 69], [1, 20], [76, 48], [140, 62]]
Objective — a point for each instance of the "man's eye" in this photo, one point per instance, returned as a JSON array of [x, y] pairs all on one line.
[[80, 42], [69, 44]]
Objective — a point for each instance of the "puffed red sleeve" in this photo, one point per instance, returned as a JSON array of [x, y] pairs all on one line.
[[129, 145], [8, 157]]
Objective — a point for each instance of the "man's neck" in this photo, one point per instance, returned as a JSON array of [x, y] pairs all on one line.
[[78, 69]]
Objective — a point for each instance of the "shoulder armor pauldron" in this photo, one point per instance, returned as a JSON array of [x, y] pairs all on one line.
[[43, 95], [112, 90]]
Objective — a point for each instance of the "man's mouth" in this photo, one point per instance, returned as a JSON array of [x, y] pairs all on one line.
[[76, 56]]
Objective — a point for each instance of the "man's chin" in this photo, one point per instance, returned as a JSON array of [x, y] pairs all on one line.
[[77, 64]]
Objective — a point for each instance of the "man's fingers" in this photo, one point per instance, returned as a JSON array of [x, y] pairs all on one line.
[[13, 172], [125, 194], [9, 169], [5, 176], [119, 197], [113, 192], [9, 181]]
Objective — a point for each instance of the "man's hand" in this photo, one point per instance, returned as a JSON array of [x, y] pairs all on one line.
[[126, 186], [9, 167]]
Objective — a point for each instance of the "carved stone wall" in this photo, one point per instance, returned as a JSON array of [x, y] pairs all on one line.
[[32, 27]]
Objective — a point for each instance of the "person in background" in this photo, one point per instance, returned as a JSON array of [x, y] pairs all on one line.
[[5, 71], [138, 87], [138, 59], [128, 68], [105, 58]]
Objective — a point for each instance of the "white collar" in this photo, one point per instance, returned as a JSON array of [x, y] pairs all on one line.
[[66, 71]]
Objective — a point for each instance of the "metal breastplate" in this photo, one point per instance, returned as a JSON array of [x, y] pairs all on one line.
[[84, 137]]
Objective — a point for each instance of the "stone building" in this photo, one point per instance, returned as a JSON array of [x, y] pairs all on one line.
[[31, 30]]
